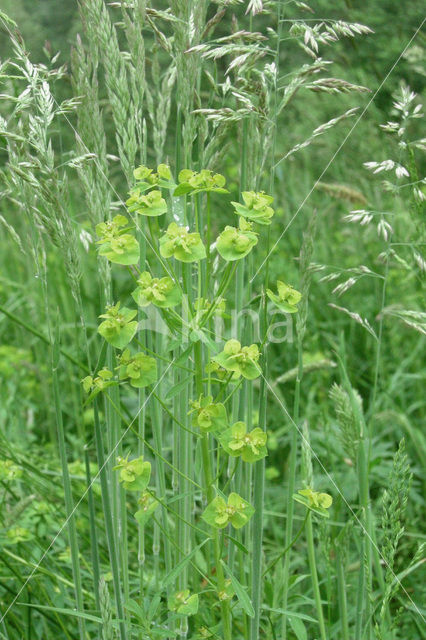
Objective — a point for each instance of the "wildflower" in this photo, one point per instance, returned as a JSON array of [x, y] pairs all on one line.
[[147, 505], [94, 385], [227, 592], [18, 534], [191, 182], [256, 207], [115, 244], [314, 500], [207, 415], [134, 474], [183, 603], [181, 244], [147, 179], [234, 244], [140, 368], [151, 204], [287, 298], [242, 360], [9, 470], [162, 292], [220, 373], [236, 511], [250, 446], [118, 328]]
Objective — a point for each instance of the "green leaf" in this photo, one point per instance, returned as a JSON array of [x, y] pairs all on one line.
[[64, 612], [174, 573], [240, 592]]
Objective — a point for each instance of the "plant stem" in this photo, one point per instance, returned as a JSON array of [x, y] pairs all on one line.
[[314, 576]]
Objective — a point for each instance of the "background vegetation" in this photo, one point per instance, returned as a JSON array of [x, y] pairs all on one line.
[[85, 99]]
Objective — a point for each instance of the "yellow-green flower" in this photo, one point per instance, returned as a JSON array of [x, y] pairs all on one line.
[[236, 511], [191, 182], [181, 244], [208, 416], [256, 207], [314, 500], [118, 327], [287, 298], [140, 368], [250, 446], [234, 244], [242, 360], [116, 244], [183, 603], [162, 292], [150, 204], [134, 474]]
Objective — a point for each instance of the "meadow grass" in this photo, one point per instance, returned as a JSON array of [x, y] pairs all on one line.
[[198, 439]]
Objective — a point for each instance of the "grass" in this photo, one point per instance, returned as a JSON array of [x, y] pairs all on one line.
[[221, 455]]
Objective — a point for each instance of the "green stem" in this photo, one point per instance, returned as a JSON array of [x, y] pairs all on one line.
[[314, 576]]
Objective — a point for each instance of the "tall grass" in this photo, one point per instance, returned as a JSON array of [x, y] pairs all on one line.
[[212, 488]]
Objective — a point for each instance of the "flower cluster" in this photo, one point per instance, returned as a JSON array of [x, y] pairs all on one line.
[[146, 204], [241, 360], [134, 474], [140, 368], [234, 244], [191, 182], [286, 299], [118, 328], [147, 178], [116, 244], [181, 244], [94, 385], [256, 207], [183, 603], [162, 292], [208, 416], [250, 446], [9, 470], [235, 511], [314, 500], [147, 505]]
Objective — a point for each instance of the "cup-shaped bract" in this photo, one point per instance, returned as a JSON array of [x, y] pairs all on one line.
[[183, 603], [162, 292], [234, 244], [207, 415], [150, 204], [147, 504], [118, 328], [237, 442], [191, 182], [139, 368], [286, 299], [242, 360], [134, 474], [256, 207], [235, 511], [115, 243], [179, 243]]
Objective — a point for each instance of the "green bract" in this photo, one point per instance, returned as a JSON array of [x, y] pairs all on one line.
[[192, 182], [314, 500], [181, 244], [18, 534], [256, 207], [115, 244], [149, 204], [147, 179], [118, 328], [234, 244], [242, 360], [140, 368], [134, 474], [9, 470], [220, 513], [183, 603], [94, 385], [162, 292], [237, 442], [207, 415], [287, 298], [147, 506]]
